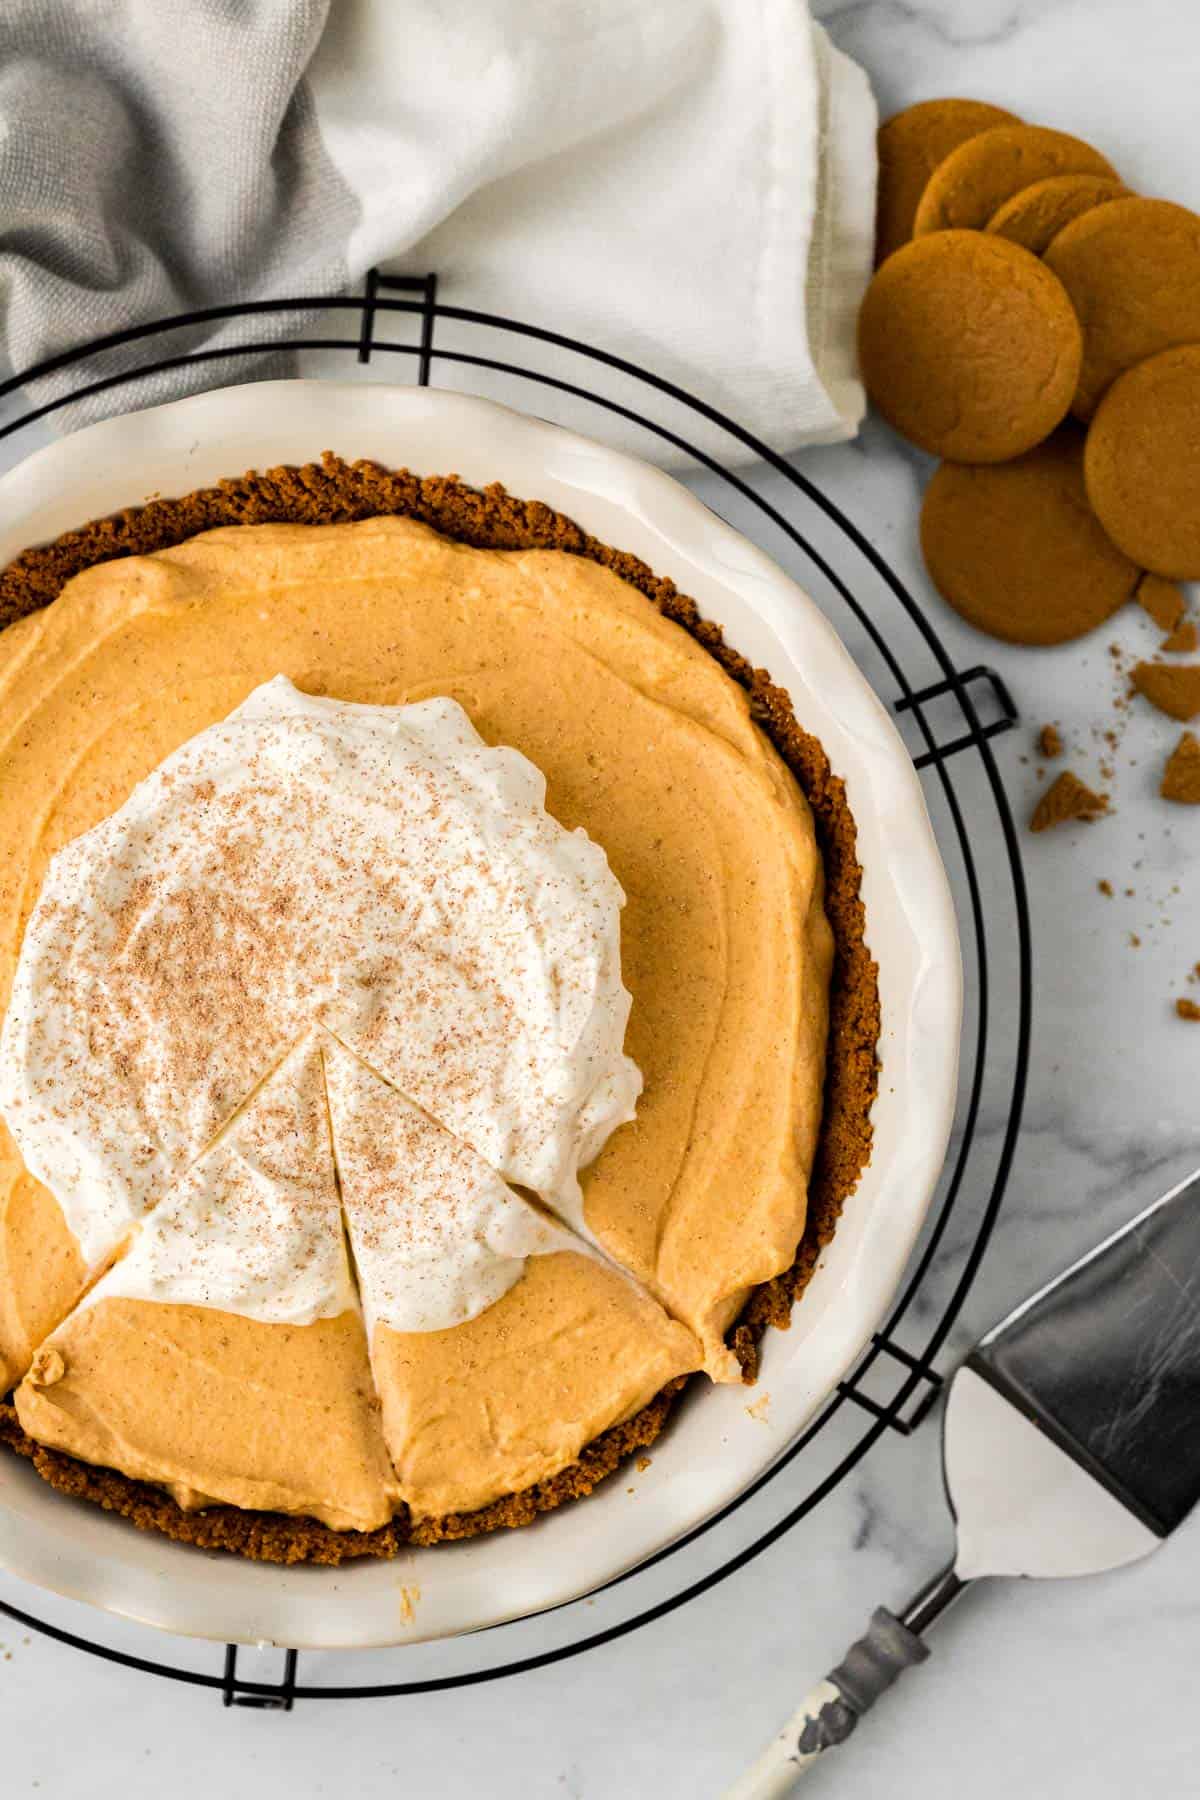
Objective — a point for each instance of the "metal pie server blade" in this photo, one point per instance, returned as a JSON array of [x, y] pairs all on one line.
[[1071, 1444]]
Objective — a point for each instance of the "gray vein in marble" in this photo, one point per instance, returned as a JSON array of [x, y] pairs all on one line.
[[868, 1519], [985, 24]]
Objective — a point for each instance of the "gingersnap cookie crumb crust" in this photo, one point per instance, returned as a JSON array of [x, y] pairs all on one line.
[[334, 491], [282, 1538]]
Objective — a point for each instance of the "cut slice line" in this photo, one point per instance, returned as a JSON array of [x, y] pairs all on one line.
[[583, 1241], [347, 1242], [436, 1232]]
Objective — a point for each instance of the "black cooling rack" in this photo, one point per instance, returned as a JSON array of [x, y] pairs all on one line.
[[948, 715]]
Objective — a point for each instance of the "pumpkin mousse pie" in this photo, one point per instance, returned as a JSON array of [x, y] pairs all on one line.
[[419, 1009]]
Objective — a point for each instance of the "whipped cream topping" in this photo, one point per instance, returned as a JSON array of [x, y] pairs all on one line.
[[377, 870], [437, 1235], [255, 1225]]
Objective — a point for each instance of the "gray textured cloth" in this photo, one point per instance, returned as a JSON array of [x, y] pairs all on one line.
[[157, 156], [685, 183]]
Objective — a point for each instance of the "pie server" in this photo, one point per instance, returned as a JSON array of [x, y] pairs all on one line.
[[1070, 1444]]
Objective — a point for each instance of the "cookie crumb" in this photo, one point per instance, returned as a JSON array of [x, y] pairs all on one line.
[[1188, 1009], [1175, 692], [1183, 640], [1106, 888], [1135, 942], [408, 1604], [1067, 798], [1181, 777], [1162, 600], [642, 1464], [47, 1367], [1050, 742]]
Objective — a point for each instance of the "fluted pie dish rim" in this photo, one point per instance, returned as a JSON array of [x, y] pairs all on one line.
[[714, 1447]]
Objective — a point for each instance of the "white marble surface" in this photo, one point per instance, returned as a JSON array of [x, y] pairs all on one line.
[[1073, 1690]]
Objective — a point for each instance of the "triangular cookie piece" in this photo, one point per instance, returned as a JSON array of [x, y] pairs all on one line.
[[224, 1355], [501, 1344]]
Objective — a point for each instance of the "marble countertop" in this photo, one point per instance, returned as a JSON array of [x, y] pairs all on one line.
[[1071, 1689]]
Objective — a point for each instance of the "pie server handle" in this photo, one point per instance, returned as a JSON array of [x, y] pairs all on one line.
[[830, 1711]]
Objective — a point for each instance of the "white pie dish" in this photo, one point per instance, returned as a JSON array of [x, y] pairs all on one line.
[[714, 1448]]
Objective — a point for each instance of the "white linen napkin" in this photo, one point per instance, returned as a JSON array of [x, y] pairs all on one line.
[[688, 184]]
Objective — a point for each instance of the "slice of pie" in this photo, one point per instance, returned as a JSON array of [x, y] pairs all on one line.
[[501, 1343], [223, 1355]]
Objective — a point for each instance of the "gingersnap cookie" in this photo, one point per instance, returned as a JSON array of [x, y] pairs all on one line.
[[1132, 269], [969, 346], [974, 181], [911, 145], [1142, 463], [1016, 549], [1034, 217]]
